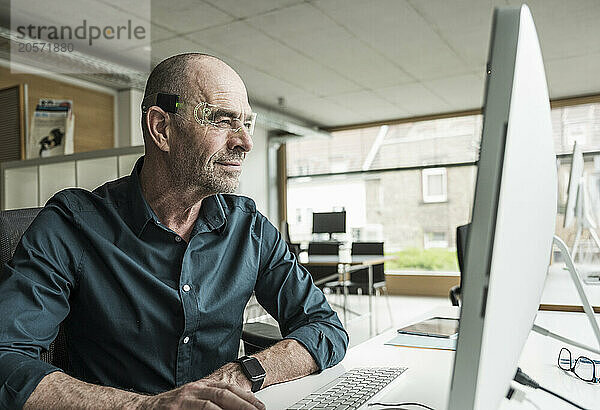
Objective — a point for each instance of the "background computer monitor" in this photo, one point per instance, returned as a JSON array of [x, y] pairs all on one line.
[[575, 177], [513, 218], [329, 222]]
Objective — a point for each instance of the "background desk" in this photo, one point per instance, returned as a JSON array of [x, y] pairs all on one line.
[[333, 260], [429, 373], [367, 261], [560, 294]]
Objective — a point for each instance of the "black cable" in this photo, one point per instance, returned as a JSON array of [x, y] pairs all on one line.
[[401, 404], [560, 397], [525, 380]]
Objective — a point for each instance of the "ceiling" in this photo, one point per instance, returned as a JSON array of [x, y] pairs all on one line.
[[342, 62]]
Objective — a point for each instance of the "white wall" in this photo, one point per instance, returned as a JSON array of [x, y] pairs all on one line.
[[32, 185], [129, 114]]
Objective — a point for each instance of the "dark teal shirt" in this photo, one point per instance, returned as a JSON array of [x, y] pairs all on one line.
[[144, 310]]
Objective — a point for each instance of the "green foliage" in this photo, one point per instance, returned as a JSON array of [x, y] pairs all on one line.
[[434, 259]]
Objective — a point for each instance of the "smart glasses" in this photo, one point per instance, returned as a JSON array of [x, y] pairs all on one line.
[[204, 113], [168, 102]]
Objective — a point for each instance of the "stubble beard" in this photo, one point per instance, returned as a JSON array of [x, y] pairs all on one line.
[[193, 171]]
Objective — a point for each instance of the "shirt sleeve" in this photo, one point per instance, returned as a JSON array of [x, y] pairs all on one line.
[[286, 290], [35, 286]]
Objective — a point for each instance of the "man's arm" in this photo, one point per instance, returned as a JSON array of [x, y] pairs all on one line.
[[314, 338], [286, 290], [58, 390], [284, 361]]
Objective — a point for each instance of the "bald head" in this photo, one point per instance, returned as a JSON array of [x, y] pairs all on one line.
[[196, 77], [210, 75], [193, 75]]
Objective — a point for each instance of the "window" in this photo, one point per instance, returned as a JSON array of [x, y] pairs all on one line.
[[435, 240], [575, 132], [377, 181], [434, 185]]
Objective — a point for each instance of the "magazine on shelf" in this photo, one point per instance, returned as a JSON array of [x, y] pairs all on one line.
[[51, 131]]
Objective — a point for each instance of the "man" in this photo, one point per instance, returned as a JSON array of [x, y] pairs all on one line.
[[150, 274]]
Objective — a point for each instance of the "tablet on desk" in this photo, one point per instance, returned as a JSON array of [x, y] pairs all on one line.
[[434, 327], [592, 278]]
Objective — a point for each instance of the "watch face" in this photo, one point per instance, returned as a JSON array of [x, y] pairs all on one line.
[[254, 367]]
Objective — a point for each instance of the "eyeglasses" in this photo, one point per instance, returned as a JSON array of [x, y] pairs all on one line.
[[583, 367], [218, 117], [204, 113]]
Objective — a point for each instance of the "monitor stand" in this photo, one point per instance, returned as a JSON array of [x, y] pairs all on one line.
[[587, 307]]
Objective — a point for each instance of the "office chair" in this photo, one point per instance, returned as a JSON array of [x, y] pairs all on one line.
[[359, 279], [13, 223], [323, 274], [285, 234], [461, 247], [359, 276]]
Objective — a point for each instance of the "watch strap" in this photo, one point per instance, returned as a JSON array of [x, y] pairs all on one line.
[[256, 384]]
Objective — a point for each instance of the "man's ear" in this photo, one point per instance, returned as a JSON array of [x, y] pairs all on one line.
[[156, 124]]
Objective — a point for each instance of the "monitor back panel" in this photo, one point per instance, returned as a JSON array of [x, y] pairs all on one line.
[[514, 216]]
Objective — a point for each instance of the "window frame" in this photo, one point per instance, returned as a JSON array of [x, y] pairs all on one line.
[[430, 244], [425, 174]]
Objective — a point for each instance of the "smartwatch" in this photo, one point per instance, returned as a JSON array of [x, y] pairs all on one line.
[[253, 371]]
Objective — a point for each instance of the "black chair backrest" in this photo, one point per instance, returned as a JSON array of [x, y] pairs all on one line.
[[319, 273], [285, 231], [323, 248], [462, 233], [13, 224], [368, 248]]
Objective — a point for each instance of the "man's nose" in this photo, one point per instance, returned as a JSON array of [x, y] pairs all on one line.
[[241, 139]]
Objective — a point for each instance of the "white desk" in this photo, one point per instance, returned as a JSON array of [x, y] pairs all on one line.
[[559, 291], [428, 378]]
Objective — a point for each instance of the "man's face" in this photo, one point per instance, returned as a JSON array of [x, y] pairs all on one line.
[[208, 157]]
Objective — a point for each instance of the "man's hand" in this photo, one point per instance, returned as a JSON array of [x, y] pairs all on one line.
[[202, 394], [60, 391], [231, 373]]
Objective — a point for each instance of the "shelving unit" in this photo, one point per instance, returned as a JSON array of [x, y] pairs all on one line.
[[31, 183]]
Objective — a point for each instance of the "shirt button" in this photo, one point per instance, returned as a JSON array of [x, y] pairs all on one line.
[[186, 288], [177, 239], [185, 340]]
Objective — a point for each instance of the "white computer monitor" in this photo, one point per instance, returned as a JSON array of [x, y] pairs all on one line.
[[575, 177], [513, 218]]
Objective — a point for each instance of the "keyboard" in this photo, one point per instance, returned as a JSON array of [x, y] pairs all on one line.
[[350, 390]]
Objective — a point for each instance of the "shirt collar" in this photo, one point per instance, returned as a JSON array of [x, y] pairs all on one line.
[[139, 212], [211, 216]]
